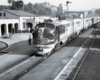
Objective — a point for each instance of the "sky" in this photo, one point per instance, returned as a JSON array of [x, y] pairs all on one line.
[[76, 5]]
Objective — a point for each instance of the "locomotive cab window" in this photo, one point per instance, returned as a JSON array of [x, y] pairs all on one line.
[[49, 32], [67, 25], [78, 22], [39, 26]]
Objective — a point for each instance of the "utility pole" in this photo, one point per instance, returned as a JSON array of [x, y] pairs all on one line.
[[67, 8], [67, 4]]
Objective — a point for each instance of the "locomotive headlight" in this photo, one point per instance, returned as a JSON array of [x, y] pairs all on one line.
[[40, 49], [46, 40]]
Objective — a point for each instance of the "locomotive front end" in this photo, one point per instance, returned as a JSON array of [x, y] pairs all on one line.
[[43, 38]]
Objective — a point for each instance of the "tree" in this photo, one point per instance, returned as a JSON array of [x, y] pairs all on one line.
[[29, 7], [59, 11], [17, 4], [10, 1], [40, 9], [90, 12], [48, 10], [97, 11]]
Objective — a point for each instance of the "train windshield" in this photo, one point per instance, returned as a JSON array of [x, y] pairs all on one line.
[[46, 26], [46, 35]]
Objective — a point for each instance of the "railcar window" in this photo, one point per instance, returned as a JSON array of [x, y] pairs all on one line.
[[72, 24], [78, 22], [4, 14], [0, 14], [62, 29]]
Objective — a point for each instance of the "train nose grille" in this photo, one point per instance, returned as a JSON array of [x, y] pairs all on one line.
[[40, 41], [37, 41]]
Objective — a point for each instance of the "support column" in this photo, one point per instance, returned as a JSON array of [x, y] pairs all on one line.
[[0, 30], [6, 27], [13, 29], [18, 27]]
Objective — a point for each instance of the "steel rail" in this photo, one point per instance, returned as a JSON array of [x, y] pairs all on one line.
[[85, 56], [61, 72]]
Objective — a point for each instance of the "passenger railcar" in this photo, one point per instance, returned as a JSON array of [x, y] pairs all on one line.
[[78, 26], [87, 22], [95, 21]]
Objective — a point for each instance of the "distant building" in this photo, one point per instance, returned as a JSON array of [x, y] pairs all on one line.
[[76, 14]]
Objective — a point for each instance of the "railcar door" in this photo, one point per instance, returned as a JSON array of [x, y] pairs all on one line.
[[61, 33], [57, 34], [72, 29]]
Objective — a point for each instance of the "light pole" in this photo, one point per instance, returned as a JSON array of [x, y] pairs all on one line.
[[67, 4]]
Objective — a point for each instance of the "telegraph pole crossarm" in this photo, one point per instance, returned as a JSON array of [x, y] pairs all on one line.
[[67, 4]]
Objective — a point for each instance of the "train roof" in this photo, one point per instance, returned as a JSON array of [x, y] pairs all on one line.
[[77, 20], [56, 23], [87, 18], [66, 21], [60, 22]]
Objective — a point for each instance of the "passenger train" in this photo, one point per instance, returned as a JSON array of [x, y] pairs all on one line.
[[49, 36]]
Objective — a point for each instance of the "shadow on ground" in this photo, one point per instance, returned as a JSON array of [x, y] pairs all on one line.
[[21, 48]]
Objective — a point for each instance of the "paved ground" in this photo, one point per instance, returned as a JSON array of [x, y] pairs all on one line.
[[5, 42], [90, 69], [19, 49], [3, 46], [18, 43], [16, 38]]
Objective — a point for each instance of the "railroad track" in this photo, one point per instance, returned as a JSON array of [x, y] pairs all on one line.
[[84, 57], [82, 61], [64, 74]]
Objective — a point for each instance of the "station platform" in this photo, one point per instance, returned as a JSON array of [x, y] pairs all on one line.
[[3, 46], [14, 50]]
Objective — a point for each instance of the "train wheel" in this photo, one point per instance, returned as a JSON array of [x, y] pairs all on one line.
[[78, 32], [52, 50], [57, 46], [69, 38], [46, 55]]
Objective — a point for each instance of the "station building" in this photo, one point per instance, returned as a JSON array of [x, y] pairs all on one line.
[[15, 21]]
